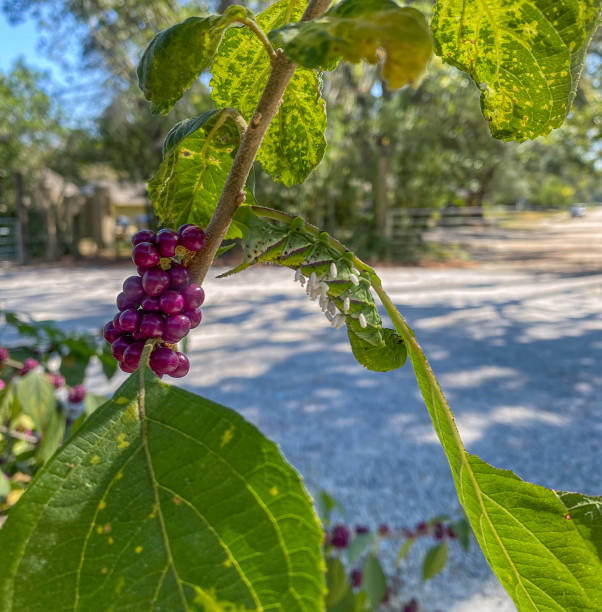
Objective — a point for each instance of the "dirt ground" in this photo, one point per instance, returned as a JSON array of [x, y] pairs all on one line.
[[516, 341]]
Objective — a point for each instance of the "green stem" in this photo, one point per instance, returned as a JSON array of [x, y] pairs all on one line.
[[261, 36], [17, 435]]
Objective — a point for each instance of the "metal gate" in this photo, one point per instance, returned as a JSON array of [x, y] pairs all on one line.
[[11, 245]]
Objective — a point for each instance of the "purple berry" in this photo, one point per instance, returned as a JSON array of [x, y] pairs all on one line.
[[411, 606], [339, 536], [77, 394], [145, 255], [151, 325], [183, 366], [194, 296], [163, 360], [150, 304], [110, 333], [167, 241], [56, 380], [124, 302], [143, 236], [171, 302], [118, 347], [132, 354], [178, 276], [132, 287], [155, 281], [195, 317], [422, 528], [359, 529], [183, 227], [451, 534], [126, 368], [116, 324], [28, 365], [3, 354], [384, 531], [129, 320], [176, 327], [192, 238], [356, 577], [439, 531]]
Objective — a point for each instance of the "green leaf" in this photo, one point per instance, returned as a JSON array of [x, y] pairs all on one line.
[[198, 155], [355, 30], [107, 361], [336, 581], [166, 500], [175, 58], [379, 358], [374, 581], [434, 560], [92, 402], [6, 400], [73, 368], [325, 504], [295, 142], [275, 237], [4, 484], [346, 604], [462, 530], [36, 396], [543, 558], [404, 550], [525, 56], [52, 436], [360, 543]]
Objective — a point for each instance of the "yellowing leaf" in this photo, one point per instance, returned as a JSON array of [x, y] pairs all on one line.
[[295, 143], [356, 30], [525, 56]]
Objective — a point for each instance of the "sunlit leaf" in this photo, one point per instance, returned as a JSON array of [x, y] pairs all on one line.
[[36, 396], [294, 143], [198, 155], [175, 57], [165, 500], [525, 56], [356, 30]]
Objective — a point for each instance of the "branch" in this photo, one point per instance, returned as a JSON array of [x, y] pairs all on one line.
[[233, 193]]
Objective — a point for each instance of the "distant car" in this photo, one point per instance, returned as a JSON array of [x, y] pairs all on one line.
[[578, 210]]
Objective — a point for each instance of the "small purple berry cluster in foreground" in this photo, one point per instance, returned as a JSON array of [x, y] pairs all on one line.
[[160, 303]]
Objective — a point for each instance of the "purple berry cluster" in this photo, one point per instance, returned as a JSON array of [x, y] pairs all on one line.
[[160, 303]]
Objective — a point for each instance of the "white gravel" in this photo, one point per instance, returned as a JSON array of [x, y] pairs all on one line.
[[517, 351]]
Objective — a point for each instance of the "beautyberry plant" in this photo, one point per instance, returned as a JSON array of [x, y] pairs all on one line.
[[166, 500]]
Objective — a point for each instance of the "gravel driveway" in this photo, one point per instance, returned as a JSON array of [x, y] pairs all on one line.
[[516, 348]]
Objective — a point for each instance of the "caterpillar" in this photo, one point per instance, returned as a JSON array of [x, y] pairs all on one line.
[[326, 268]]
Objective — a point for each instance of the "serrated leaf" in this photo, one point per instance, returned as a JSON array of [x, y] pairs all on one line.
[[525, 56], [374, 581], [289, 241], [175, 57], [356, 30], [295, 142], [198, 154], [545, 560], [434, 560], [163, 499], [36, 397]]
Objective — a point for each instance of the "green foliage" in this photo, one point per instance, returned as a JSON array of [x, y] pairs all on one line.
[[294, 143], [175, 57], [526, 57], [198, 156], [434, 560], [36, 396], [355, 30], [274, 237], [515, 521], [336, 582], [375, 581], [163, 498]]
